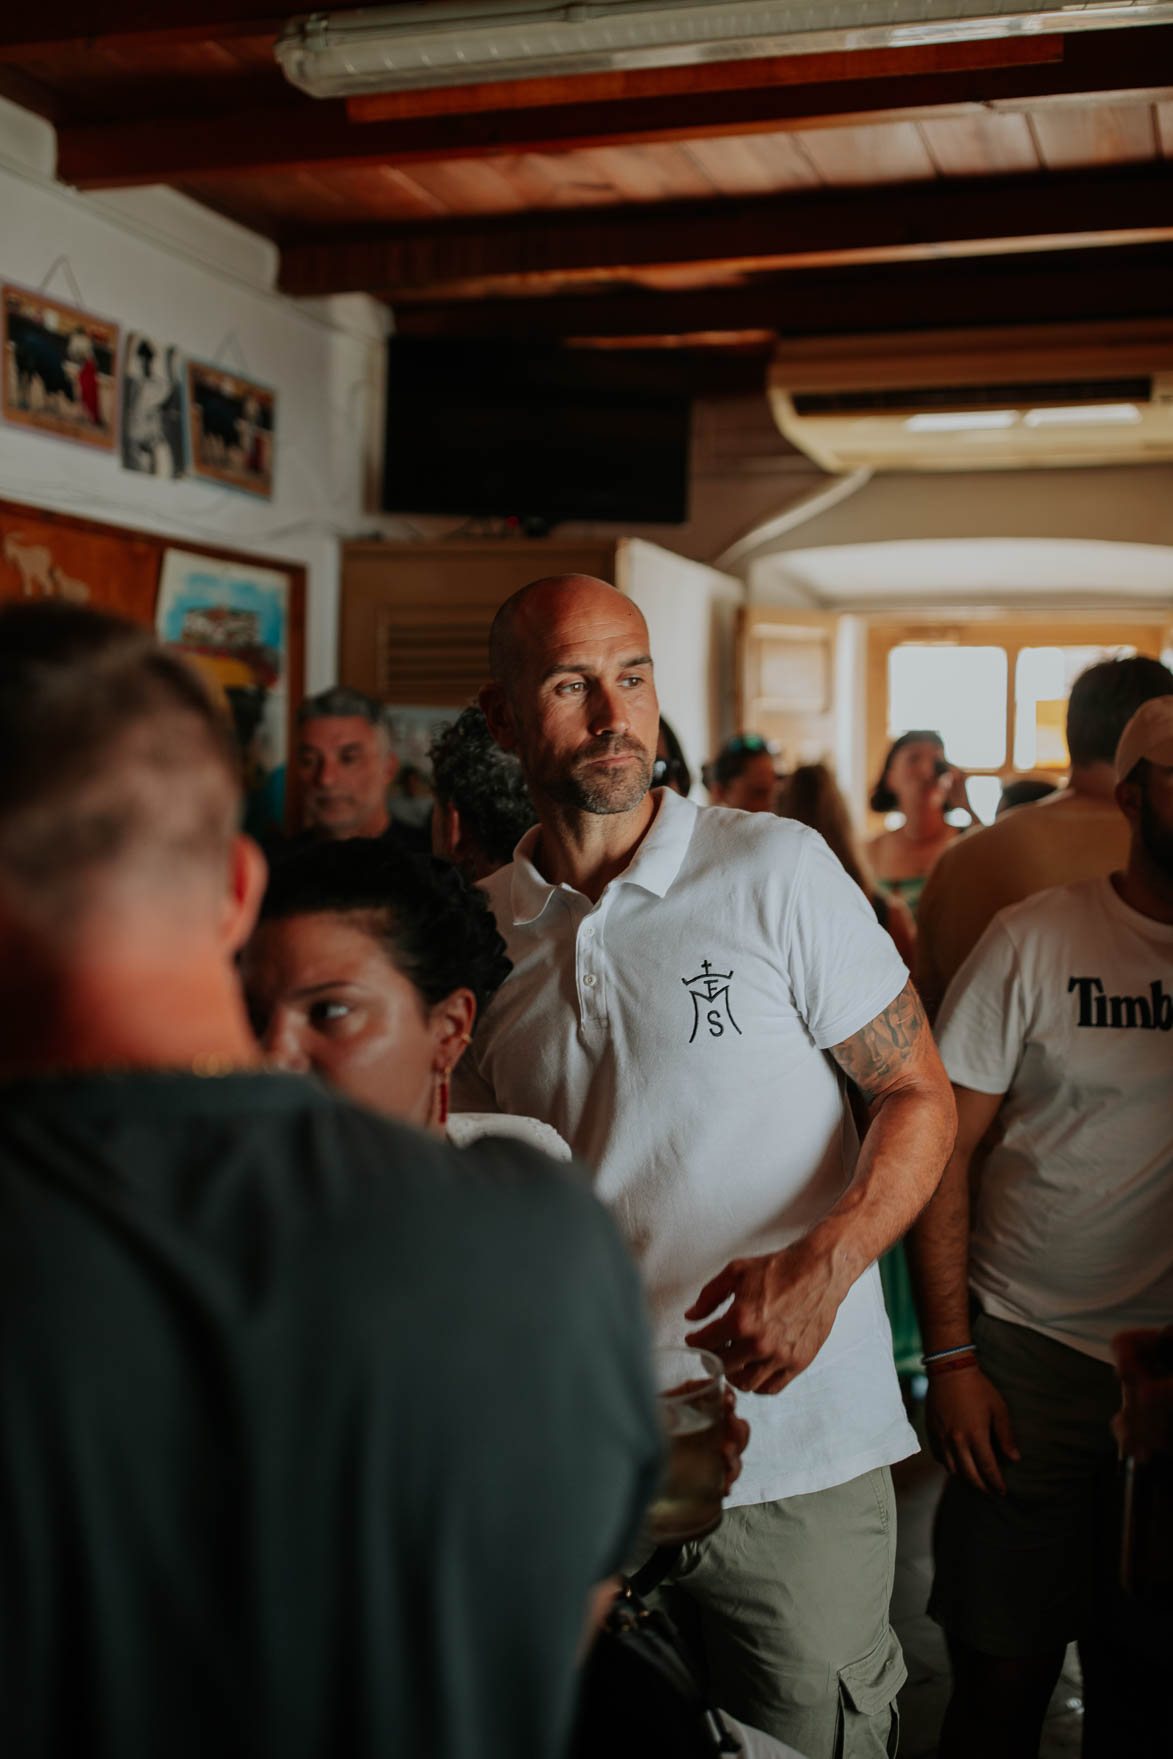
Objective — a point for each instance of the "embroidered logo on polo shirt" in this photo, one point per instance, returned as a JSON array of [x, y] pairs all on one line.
[[709, 990]]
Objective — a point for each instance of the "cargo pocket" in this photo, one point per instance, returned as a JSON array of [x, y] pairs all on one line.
[[869, 1722]]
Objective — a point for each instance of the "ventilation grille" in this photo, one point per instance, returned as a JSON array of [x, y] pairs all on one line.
[[433, 655], [1016, 395]]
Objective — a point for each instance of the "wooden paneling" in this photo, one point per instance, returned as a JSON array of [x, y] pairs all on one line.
[[891, 153], [651, 173], [469, 186], [1097, 134], [986, 145], [1164, 116], [753, 164]]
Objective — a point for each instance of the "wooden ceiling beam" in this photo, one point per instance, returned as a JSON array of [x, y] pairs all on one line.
[[844, 65], [912, 222], [1128, 66], [32, 32], [888, 297]]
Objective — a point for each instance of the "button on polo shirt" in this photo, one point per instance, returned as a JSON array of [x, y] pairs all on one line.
[[692, 1075]]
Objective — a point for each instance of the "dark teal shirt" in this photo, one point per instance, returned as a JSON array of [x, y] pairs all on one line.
[[314, 1432]]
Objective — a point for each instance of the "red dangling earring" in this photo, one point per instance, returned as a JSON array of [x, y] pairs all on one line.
[[442, 1101]]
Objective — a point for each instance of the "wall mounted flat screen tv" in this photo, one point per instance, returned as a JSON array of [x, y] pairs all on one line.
[[540, 434]]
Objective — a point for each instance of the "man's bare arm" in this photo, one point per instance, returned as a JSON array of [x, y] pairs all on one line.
[[785, 1303], [893, 1064], [967, 1418]]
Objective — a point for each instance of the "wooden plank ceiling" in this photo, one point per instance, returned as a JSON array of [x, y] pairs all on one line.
[[721, 206]]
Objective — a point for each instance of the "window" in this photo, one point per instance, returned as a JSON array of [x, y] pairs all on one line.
[[1043, 678], [995, 689]]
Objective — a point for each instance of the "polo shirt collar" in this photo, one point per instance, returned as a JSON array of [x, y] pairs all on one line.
[[654, 865]]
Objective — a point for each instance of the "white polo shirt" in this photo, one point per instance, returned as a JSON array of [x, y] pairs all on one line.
[[675, 1033]]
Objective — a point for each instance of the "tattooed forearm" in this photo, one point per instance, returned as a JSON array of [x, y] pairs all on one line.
[[881, 1050]]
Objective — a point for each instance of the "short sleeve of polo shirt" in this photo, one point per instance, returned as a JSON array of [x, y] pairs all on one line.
[[981, 1028], [843, 966]]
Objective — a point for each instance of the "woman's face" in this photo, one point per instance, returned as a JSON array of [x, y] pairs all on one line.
[[324, 996], [912, 775], [755, 789]]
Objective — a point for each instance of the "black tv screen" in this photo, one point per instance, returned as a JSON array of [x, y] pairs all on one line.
[[539, 434]]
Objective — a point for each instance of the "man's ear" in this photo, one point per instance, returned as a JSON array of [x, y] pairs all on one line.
[[497, 712], [248, 874], [1128, 800]]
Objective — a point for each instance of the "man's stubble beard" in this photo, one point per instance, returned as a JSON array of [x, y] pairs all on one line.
[[604, 792]]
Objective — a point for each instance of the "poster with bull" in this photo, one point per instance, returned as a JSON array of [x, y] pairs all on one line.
[[230, 429], [60, 373]]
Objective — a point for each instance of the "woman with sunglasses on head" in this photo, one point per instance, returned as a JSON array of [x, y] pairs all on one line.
[[369, 968], [918, 781], [742, 774]]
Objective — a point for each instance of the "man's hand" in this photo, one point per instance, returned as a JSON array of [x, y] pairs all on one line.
[[784, 1305], [969, 1426]]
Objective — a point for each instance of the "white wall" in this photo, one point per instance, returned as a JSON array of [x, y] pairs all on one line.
[[690, 612], [153, 261]]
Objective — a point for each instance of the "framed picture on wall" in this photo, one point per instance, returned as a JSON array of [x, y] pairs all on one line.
[[151, 436], [240, 619], [230, 423], [60, 369], [231, 619]]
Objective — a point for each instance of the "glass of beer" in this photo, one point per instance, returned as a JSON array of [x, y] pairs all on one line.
[[687, 1503]]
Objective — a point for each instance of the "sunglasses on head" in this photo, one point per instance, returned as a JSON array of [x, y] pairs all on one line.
[[750, 742]]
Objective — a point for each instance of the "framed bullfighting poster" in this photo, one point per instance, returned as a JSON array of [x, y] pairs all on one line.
[[60, 373], [230, 429]]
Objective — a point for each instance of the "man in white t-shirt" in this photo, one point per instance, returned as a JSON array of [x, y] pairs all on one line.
[[1057, 1033], [690, 987]]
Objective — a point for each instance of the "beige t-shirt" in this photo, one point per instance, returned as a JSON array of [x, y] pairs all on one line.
[[1060, 840]]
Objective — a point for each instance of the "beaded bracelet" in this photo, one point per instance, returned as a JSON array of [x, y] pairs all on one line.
[[940, 1355], [953, 1367]]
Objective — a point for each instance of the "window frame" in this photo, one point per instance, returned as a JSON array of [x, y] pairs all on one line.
[[1149, 631]]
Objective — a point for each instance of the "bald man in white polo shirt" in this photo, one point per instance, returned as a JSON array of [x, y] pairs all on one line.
[[689, 989]]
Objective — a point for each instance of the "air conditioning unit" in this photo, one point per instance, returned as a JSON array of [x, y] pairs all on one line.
[[1038, 395]]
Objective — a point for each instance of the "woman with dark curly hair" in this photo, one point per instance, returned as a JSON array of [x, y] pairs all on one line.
[[368, 967]]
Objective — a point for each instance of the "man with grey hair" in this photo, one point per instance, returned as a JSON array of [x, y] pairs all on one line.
[[345, 766]]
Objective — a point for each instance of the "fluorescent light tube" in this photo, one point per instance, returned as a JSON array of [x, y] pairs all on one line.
[[458, 42], [1084, 415], [956, 421]]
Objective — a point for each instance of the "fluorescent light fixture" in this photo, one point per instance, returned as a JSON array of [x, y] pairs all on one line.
[[462, 42], [1084, 415], [956, 421]]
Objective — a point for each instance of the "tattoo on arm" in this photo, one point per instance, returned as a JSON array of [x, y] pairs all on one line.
[[876, 1054]]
